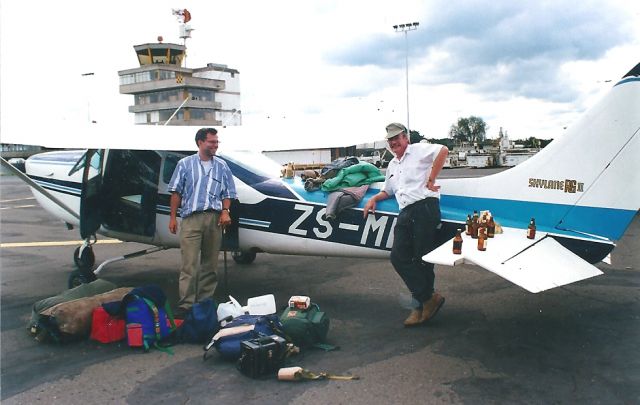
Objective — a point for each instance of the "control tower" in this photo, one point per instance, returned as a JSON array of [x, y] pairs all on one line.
[[166, 92]]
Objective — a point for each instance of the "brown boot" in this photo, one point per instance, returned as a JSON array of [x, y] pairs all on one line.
[[431, 307], [414, 318]]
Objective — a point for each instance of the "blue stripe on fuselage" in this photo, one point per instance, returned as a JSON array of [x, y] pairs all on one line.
[[562, 219]]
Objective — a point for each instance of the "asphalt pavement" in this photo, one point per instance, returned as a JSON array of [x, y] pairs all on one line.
[[492, 342]]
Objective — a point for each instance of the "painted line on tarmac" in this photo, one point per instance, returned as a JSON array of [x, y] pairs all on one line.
[[17, 199], [59, 243], [18, 206]]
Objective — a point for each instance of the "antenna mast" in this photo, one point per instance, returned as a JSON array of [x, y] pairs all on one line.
[[184, 16]]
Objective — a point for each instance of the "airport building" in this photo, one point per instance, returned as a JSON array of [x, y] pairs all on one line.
[[165, 90]]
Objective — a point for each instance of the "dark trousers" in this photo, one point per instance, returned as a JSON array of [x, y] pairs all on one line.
[[415, 236]]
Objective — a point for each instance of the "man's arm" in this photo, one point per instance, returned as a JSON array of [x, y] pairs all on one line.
[[176, 200], [438, 164]]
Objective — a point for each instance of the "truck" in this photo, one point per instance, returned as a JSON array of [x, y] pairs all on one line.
[[376, 157]]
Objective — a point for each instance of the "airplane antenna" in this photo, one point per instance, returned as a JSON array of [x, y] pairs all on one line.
[[184, 16]]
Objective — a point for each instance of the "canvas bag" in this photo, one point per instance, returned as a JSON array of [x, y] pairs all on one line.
[[72, 319], [91, 289], [306, 327]]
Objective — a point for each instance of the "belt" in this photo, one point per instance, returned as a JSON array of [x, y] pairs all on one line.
[[420, 202], [206, 211]]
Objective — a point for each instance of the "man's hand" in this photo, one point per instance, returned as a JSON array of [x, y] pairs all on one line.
[[173, 225], [431, 185], [225, 219], [369, 206]]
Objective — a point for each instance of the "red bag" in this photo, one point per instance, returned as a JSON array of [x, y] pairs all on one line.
[[106, 328]]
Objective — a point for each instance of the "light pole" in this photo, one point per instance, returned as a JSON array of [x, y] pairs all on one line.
[[88, 97], [406, 28]]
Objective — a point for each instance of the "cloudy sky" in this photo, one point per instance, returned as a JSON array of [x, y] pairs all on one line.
[[531, 69]]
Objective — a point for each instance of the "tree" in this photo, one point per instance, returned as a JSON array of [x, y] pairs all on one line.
[[471, 129], [415, 137]]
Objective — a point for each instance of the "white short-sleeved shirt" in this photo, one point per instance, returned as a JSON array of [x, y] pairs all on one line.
[[406, 178]]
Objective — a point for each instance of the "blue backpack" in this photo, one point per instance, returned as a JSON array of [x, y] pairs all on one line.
[[148, 316], [200, 324]]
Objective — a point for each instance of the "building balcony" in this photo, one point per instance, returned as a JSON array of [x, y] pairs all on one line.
[[172, 105], [170, 84], [191, 122]]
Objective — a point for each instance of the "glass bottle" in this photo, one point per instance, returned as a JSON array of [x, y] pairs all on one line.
[[531, 230], [457, 243], [491, 228], [482, 240]]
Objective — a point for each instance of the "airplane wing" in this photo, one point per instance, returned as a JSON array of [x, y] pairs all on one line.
[[534, 264]]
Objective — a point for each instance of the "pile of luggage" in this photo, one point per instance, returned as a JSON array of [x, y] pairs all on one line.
[[257, 338]]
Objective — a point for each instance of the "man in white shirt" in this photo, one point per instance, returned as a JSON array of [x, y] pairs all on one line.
[[411, 177]]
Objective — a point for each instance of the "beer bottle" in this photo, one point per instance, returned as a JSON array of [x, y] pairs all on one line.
[[482, 240], [457, 243], [531, 230], [482, 224], [468, 226], [491, 227], [474, 225]]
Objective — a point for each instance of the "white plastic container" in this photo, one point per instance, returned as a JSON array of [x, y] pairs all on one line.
[[262, 305]]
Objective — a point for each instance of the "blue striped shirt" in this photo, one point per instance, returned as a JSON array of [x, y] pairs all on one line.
[[202, 189]]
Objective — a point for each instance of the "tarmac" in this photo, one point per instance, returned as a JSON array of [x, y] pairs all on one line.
[[492, 342]]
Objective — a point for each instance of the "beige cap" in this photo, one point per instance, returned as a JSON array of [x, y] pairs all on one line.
[[395, 129]]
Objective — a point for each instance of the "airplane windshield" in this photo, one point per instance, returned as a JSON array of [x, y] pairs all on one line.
[[96, 158], [255, 162]]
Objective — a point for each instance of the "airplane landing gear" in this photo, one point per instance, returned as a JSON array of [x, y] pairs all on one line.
[[86, 259], [243, 257], [80, 276]]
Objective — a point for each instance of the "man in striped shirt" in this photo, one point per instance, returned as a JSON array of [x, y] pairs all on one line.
[[202, 187]]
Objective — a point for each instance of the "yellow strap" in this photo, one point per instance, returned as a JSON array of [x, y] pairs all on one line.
[[308, 375]]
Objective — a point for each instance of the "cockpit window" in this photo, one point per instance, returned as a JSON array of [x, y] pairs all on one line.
[[170, 163], [96, 160]]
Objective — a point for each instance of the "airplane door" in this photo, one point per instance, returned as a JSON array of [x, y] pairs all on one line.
[[90, 197], [130, 192]]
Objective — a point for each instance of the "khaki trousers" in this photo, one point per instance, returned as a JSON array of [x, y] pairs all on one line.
[[200, 238]]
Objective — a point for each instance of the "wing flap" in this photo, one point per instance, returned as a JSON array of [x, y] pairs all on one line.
[[535, 265]]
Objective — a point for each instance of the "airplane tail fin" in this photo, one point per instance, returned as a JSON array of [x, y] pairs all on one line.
[[584, 183]]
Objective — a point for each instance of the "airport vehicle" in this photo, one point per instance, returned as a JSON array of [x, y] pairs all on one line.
[[582, 190]]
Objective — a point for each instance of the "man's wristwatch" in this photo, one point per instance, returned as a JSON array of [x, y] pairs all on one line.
[[226, 209]]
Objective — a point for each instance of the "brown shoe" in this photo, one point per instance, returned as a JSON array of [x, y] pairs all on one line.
[[431, 307], [414, 318]]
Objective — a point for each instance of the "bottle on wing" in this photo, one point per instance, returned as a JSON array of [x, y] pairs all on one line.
[[457, 243]]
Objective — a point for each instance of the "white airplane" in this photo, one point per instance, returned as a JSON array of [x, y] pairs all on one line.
[[582, 189]]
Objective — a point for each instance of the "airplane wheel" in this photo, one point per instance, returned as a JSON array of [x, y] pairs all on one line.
[[243, 257], [78, 277], [87, 260]]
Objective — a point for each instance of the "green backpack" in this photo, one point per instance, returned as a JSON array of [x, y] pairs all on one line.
[[306, 327]]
